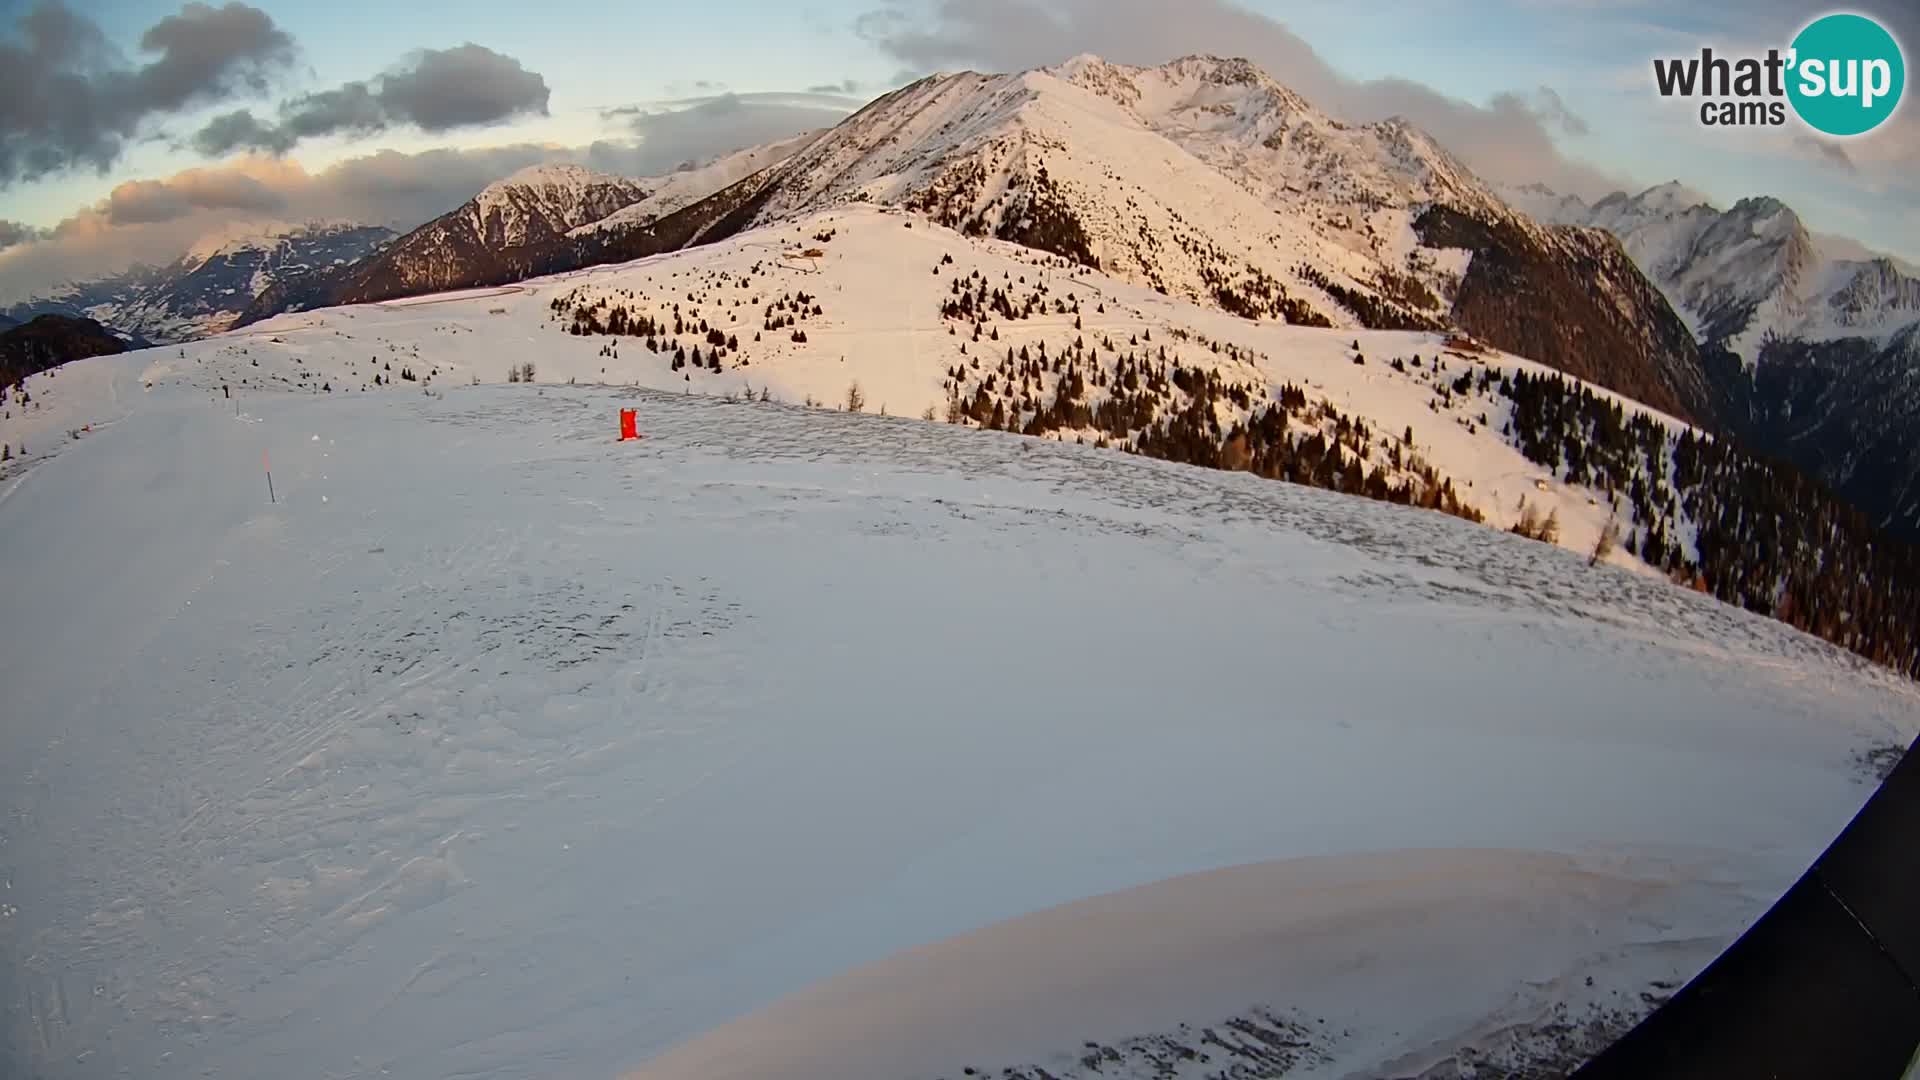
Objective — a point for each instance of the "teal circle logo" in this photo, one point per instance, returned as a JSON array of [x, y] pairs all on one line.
[[1846, 76]]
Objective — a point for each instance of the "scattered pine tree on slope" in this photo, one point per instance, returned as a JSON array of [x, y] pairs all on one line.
[[1765, 536], [1156, 405]]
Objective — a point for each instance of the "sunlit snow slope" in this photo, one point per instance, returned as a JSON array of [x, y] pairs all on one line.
[[494, 747], [881, 280]]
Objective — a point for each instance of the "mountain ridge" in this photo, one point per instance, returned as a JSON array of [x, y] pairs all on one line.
[[1307, 218], [1813, 343], [209, 286], [1204, 178], [48, 341]]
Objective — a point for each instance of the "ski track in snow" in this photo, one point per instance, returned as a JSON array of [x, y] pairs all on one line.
[[496, 748]]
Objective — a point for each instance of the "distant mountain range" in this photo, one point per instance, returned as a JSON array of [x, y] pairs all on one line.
[[488, 239], [48, 341], [1812, 342], [205, 290], [541, 220]]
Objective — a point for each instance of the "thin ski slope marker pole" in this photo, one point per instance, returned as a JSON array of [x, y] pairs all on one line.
[[268, 465]]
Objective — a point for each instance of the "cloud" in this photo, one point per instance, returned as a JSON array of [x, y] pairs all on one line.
[[824, 101], [69, 100], [139, 202], [1509, 139], [208, 51], [434, 90], [1830, 153], [848, 87], [350, 109], [14, 232], [672, 133], [464, 86], [236, 129], [1548, 105]]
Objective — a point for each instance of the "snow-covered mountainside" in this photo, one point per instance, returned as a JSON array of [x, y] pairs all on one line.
[[89, 299], [562, 751], [497, 235], [1238, 119], [206, 289], [1846, 409], [1816, 338], [48, 341], [546, 200], [204, 294], [1748, 273], [686, 186], [925, 319], [1203, 179], [1207, 180]]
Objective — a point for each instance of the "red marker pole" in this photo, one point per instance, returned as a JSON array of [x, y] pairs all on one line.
[[268, 465]]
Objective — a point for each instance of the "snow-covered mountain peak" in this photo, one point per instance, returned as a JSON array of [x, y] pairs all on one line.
[[235, 237], [1834, 323], [1745, 274], [694, 181], [547, 200], [1673, 196], [255, 239], [1545, 205], [1207, 180], [1235, 117], [1621, 213], [1872, 294], [551, 175], [1088, 67], [1205, 92]]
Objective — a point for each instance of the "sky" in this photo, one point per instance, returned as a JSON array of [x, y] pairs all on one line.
[[133, 129]]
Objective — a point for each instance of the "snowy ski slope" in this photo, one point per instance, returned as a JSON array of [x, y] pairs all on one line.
[[496, 748]]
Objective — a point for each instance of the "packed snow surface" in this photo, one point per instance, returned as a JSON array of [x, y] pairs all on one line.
[[1382, 958], [495, 747]]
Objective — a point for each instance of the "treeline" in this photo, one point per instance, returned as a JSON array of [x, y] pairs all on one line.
[[1376, 313], [1766, 537], [1154, 405], [1259, 296]]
